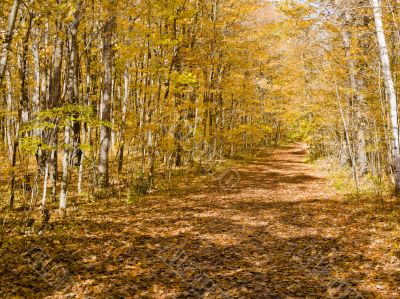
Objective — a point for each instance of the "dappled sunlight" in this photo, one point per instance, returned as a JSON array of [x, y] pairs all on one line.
[[199, 149], [293, 240], [220, 239]]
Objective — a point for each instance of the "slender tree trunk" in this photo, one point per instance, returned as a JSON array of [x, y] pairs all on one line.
[[23, 106], [65, 168], [8, 38], [45, 180], [9, 117], [24, 97], [85, 128], [36, 77], [347, 138], [105, 130], [54, 101], [13, 164], [72, 94], [387, 74], [123, 120], [356, 94], [80, 175]]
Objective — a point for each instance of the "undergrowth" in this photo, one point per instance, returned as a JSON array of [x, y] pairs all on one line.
[[369, 185]]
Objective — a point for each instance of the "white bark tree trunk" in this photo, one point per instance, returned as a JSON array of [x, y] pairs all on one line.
[[390, 89], [72, 93], [105, 105], [65, 166]]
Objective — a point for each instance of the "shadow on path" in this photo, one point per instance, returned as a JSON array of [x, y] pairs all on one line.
[[280, 233]]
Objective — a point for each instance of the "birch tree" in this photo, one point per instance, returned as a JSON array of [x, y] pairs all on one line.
[[390, 88], [105, 105], [72, 96]]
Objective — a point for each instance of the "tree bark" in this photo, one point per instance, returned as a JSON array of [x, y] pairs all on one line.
[[105, 105], [72, 95], [123, 118], [8, 38], [356, 94], [53, 102], [24, 97], [36, 77], [390, 89]]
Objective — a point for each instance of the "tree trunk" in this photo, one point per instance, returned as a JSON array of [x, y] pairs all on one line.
[[65, 168], [36, 77], [72, 95], [105, 130], [54, 101], [123, 119], [391, 92], [24, 97], [356, 93], [8, 38]]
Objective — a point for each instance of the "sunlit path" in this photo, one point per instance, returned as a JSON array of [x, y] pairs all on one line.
[[280, 232]]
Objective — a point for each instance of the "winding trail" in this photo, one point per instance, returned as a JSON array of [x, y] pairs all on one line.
[[281, 232]]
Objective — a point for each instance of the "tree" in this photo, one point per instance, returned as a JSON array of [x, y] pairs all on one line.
[[390, 89], [105, 105], [72, 98], [8, 38]]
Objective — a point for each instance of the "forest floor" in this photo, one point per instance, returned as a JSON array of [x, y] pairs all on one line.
[[275, 229]]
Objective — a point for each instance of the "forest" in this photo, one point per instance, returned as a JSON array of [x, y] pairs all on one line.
[[199, 149]]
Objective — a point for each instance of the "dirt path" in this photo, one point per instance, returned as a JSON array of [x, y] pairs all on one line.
[[279, 233]]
